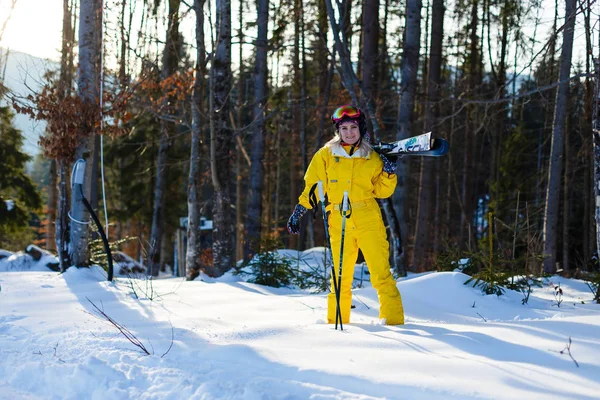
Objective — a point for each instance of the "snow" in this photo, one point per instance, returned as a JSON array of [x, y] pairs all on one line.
[[10, 204], [229, 339]]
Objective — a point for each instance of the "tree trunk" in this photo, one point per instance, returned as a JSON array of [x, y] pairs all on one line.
[[122, 76], [221, 144], [346, 23], [566, 198], [596, 158], [239, 224], [194, 250], [325, 72], [62, 219], [466, 222], [500, 114], [426, 194], [258, 139], [65, 83], [169, 67], [370, 53], [549, 77], [588, 241], [90, 48], [51, 210], [556, 152], [408, 87]]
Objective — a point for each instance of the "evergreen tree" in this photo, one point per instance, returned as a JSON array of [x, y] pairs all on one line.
[[18, 194]]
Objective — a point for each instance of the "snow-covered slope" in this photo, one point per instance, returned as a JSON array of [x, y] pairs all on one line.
[[229, 339], [24, 75]]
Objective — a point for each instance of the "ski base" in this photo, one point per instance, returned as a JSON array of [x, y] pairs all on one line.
[[421, 145]]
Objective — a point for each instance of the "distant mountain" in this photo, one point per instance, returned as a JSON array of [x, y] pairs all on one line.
[[23, 75]]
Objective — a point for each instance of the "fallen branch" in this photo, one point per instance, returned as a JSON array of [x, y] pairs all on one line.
[[124, 331]]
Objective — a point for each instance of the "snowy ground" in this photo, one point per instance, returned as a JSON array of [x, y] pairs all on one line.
[[236, 340]]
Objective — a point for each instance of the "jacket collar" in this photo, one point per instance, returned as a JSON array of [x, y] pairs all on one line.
[[339, 151]]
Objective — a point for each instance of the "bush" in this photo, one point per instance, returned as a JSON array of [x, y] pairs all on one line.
[[525, 284], [98, 255], [593, 282], [270, 268]]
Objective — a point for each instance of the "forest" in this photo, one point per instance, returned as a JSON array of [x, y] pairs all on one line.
[[197, 120]]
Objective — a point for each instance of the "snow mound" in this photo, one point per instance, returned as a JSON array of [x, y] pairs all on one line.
[[443, 296], [22, 261]]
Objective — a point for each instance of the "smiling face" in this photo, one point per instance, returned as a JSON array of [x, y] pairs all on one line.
[[349, 132]]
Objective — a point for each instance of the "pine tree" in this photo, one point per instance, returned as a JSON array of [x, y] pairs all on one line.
[[18, 194]]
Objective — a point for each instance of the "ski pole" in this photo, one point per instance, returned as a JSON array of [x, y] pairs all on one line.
[[344, 213], [333, 274]]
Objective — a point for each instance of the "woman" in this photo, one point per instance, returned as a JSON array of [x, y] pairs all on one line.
[[348, 163]]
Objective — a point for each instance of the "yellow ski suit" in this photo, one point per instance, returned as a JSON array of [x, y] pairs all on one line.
[[361, 175]]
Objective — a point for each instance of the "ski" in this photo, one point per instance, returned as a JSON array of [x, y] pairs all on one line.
[[421, 145]]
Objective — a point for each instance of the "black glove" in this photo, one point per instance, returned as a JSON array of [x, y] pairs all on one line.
[[293, 224], [389, 166]]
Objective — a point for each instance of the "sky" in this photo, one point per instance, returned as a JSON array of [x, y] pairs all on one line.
[[35, 27], [227, 338]]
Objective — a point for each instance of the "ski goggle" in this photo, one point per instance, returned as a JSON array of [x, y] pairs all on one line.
[[345, 111]]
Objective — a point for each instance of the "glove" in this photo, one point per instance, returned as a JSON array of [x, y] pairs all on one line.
[[389, 166], [293, 224]]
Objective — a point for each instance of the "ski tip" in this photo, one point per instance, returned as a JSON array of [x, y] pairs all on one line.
[[440, 146]]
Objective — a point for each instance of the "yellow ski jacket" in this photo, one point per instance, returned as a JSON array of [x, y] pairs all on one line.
[[360, 174]]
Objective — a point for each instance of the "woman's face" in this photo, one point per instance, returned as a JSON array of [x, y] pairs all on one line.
[[349, 132]]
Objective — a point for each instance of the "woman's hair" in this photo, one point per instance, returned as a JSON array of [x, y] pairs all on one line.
[[364, 145]]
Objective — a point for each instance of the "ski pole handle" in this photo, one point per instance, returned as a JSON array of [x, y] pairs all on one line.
[[321, 191], [345, 203]]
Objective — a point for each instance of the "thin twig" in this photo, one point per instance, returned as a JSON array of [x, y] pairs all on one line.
[[484, 320], [358, 298], [124, 331], [172, 340], [568, 350]]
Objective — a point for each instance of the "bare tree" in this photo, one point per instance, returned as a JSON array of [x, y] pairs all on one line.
[[58, 195], [258, 139], [192, 257], [426, 193], [169, 67], [239, 224], [370, 56], [557, 146], [88, 86], [466, 200], [221, 143], [408, 87]]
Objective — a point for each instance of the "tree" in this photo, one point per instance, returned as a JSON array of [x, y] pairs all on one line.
[[370, 59], [557, 146], [258, 138], [192, 257], [88, 84], [408, 87], [426, 193], [472, 125], [58, 191], [18, 194], [221, 143], [169, 67]]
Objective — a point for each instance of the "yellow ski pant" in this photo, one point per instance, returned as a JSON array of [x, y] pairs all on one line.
[[364, 230]]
